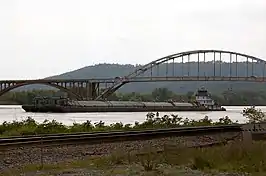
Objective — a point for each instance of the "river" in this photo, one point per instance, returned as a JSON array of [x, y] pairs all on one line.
[[11, 112]]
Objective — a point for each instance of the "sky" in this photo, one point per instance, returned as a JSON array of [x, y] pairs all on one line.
[[41, 38]]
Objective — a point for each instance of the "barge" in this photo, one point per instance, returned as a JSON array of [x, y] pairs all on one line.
[[203, 102]]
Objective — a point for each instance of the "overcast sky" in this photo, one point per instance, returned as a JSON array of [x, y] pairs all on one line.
[[40, 38]]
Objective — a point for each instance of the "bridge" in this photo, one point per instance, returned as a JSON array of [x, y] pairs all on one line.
[[185, 66]]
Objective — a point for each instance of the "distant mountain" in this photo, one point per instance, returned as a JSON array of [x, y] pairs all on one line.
[[114, 70]]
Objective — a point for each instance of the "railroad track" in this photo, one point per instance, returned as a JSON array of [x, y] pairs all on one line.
[[116, 136]]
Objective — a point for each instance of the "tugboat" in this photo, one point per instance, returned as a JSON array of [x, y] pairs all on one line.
[[203, 98]]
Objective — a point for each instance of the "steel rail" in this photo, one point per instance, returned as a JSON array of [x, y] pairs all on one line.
[[118, 136]]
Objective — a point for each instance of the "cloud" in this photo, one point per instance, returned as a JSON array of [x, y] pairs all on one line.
[[40, 38]]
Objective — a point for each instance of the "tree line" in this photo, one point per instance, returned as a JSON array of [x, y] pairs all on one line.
[[228, 97]]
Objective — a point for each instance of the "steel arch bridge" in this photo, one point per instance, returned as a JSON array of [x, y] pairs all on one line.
[[191, 66], [197, 65]]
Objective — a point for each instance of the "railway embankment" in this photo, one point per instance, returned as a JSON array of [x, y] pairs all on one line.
[[15, 157]]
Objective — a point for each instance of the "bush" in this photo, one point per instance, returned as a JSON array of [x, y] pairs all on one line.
[[254, 115], [30, 127]]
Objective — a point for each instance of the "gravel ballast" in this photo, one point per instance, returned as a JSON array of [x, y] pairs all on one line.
[[21, 156]]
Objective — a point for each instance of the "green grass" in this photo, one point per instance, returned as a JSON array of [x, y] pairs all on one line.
[[231, 158]]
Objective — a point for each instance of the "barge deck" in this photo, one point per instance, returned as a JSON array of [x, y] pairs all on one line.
[[202, 102], [69, 106]]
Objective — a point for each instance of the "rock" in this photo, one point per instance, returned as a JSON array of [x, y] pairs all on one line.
[[7, 161], [86, 153]]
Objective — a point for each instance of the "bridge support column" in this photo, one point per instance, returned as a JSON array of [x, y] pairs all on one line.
[[92, 90], [75, 87]]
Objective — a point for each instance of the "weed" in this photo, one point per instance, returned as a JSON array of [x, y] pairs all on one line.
[[200, 163], [230, 158], [148, 158]]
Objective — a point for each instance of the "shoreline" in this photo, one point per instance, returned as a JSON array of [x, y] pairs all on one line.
[[15, 112]]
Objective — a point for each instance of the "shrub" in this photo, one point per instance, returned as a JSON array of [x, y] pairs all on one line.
[[30, 127], [254, 115]]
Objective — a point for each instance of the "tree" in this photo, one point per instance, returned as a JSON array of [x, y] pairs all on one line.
[[189, 95], [162, 94], [254, 115]]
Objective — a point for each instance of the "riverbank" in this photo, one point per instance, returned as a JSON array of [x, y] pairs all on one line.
[[30, 126], [13, 112]]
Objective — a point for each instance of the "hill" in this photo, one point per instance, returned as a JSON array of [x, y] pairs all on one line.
[[114, 70]]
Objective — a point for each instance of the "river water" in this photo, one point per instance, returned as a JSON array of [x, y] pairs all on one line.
[[11, 112]]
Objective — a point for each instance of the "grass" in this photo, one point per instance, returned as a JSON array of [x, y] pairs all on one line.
[[230, 158]]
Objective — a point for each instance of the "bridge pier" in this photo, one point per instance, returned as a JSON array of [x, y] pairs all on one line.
[[87, 90], [93, 90]]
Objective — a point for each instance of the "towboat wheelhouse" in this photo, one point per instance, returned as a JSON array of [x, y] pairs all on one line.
[[204, 98]]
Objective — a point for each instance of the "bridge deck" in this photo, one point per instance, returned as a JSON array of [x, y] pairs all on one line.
[[198, 78], [143, 79]]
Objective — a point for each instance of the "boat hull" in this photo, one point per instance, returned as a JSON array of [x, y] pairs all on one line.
[[78, 109]]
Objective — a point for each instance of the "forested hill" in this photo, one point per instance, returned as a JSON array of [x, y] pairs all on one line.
[[113, 70]]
